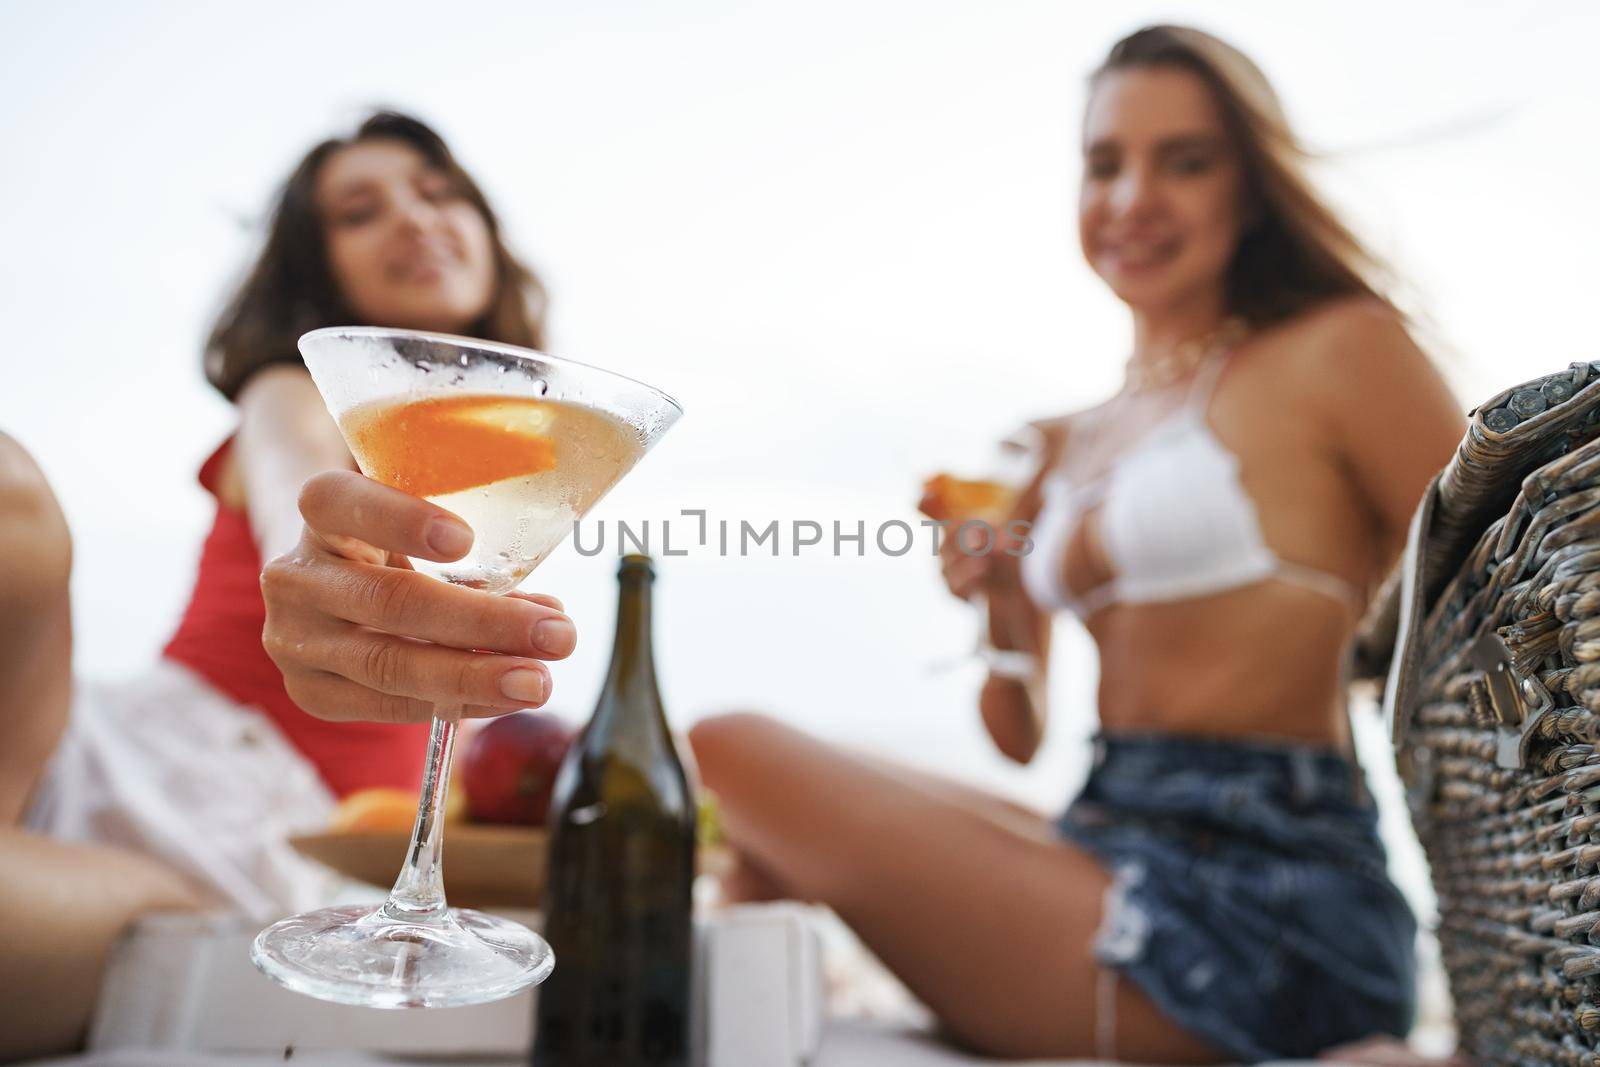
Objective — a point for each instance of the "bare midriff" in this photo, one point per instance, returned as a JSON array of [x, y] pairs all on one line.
[[1263, 661]]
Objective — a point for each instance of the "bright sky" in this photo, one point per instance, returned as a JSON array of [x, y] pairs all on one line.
[[840, 232]]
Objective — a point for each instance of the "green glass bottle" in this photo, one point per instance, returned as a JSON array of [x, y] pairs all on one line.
[[619, 890]]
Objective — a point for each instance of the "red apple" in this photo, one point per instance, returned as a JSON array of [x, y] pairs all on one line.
[[510, 767]]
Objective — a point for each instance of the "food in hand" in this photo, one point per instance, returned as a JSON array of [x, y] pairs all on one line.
[[510, 767]]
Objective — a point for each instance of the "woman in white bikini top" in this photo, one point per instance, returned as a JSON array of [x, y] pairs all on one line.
[[1174, 521], [1216, 892]]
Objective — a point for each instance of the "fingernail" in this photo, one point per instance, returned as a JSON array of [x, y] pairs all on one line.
[[448, 537], [524, 683], [555, 634]]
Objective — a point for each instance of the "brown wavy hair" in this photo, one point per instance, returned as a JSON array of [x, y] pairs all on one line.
[[291, 289], [1295, 252]]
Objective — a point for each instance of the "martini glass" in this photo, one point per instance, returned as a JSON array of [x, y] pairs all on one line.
[[520, 445], [990, 499]]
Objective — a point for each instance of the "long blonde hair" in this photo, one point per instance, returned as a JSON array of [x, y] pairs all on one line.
[[1294, 251]]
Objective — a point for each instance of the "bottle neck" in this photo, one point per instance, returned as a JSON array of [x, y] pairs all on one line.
[[632, 661], [630, 700]]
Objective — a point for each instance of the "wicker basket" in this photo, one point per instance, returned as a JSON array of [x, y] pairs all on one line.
[[1494, 705]]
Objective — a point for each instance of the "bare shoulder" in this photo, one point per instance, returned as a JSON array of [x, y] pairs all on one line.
[[1345, 334], [282, 397], [1386, 409], [1356, 332], [277, 382], [1352, 352]]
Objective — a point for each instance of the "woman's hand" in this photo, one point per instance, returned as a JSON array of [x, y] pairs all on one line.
[[972, 554], [982, 564], [360, 635], [979, 561]]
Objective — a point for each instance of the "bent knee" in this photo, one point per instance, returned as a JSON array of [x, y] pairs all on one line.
[[35, 547], [713, 737], [721, 743]]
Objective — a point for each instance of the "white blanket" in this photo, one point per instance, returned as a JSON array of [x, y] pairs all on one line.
[[166, 765]]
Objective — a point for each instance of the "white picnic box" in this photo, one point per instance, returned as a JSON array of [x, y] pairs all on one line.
[[185, 983]]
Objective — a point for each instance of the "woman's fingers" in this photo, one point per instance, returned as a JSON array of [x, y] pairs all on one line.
[[428, 672], [539, 598], [338, 699], [343, 506], [360, 635], [964, 582], [316, 582], [980, 559], [964, 574]]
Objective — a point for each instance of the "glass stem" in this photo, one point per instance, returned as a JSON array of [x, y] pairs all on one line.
[[418, 894]]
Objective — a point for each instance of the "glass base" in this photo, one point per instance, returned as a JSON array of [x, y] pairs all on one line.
[[360, 954]]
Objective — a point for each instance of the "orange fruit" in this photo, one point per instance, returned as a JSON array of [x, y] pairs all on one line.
[[384, 809], [455, 804], [447, 444], [375, 810]]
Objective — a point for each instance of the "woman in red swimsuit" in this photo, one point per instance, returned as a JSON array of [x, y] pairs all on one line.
[[175, 790], [384, 229]]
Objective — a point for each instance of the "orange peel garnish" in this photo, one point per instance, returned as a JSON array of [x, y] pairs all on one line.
[[448, 444]]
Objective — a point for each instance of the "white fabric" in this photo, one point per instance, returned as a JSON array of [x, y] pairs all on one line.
[[166, 765], [180, 992], [1176, 522], [1174, 518], [849, 1043]]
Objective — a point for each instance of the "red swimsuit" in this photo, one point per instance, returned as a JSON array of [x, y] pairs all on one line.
[[220, 640]]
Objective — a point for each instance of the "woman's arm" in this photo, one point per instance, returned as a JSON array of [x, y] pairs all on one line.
[[357, 633], [285, 436], [1014, 710], [1391, 417]]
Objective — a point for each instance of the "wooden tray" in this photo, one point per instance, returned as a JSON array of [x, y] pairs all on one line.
[[485, 866]]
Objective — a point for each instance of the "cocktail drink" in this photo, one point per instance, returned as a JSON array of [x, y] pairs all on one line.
[[519, 445], [495, 461], [986, 505], [948, 498]]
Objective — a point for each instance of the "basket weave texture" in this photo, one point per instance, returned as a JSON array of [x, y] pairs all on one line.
[[1496, 706]]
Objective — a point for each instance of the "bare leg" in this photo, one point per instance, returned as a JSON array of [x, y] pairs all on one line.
[[63, 904], [1012, 816], [35, 627], [970, 900], [749, 882]]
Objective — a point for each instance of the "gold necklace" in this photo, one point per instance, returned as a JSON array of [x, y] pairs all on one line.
[[1184, 359]]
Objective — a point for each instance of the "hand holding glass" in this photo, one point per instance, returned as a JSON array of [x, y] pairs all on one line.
[[519, 445], [989, 502]]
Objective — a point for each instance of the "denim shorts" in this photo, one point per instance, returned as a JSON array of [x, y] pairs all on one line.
[[1250, 899]]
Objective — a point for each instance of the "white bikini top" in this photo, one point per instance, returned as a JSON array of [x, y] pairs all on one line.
[[1174, 520]]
